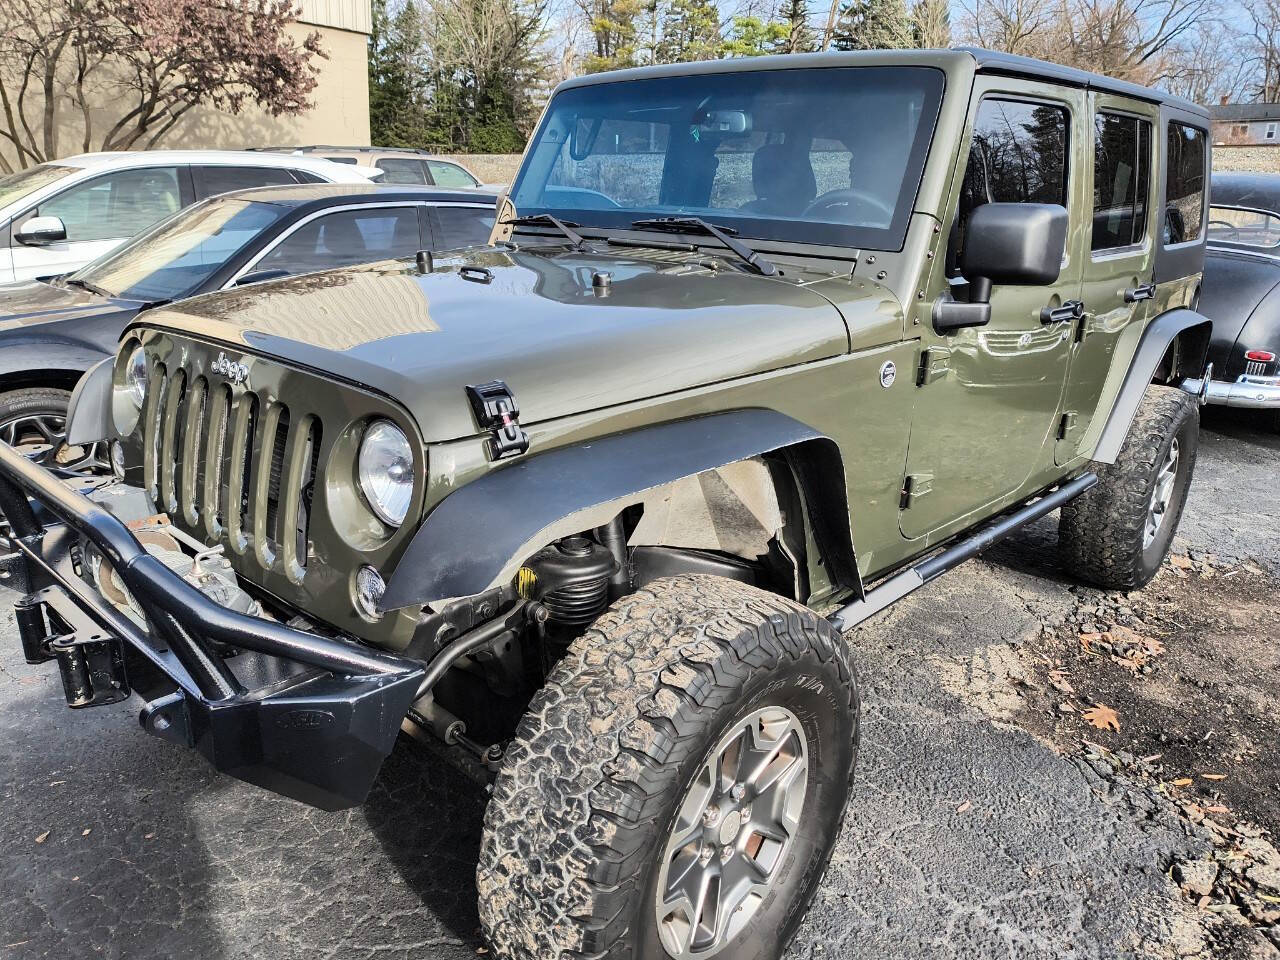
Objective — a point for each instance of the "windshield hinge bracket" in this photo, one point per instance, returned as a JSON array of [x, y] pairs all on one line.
[[935, 363], [915, 486], [496, 410]]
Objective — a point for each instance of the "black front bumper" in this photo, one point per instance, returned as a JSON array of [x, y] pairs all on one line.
[[307, 716]]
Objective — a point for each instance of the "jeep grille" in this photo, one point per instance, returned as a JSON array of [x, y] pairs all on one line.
[[231, 465]]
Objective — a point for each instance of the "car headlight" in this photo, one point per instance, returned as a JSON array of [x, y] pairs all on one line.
[[386, 471], [135, 375]]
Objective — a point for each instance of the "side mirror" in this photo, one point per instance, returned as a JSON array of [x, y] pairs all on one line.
[[261, 276], [39, 231], [1015, 243]]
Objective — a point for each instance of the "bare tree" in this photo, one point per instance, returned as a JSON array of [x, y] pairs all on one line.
[[1011, 26], [143, 65], [1264, 41]]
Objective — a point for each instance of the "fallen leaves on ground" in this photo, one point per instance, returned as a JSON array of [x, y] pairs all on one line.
[[964, 807], [1102, 717], [43, 837], [1181, 782], [1214, 776]]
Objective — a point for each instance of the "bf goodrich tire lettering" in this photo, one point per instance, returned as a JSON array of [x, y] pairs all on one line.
[[613, 744]]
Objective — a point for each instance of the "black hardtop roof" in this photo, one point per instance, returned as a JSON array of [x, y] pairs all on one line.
[[984, 61], [993, 61]]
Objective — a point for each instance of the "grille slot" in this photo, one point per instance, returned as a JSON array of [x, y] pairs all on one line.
[[1256, 368], [232, 465]]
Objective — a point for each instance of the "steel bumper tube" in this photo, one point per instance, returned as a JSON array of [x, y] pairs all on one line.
[[307, 716], [1259, 393]]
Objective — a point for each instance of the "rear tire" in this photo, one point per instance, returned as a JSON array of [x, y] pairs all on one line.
[[1118, 534], [633, 769]]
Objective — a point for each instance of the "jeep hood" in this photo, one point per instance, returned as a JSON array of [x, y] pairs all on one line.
[[533, 318]]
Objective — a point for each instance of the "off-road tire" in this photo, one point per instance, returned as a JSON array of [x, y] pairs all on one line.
[[1101, 533], [591, 783]]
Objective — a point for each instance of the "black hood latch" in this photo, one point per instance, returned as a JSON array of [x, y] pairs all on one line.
[[496, 410]]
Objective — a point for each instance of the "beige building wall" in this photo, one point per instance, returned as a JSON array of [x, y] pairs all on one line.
[[340, 114]]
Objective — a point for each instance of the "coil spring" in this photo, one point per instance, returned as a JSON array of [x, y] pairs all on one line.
[[578, 604]]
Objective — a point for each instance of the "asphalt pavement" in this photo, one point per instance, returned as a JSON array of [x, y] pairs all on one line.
[[967, 836]]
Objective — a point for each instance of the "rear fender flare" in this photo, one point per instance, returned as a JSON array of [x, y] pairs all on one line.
[[1192, 331], [478, 536]]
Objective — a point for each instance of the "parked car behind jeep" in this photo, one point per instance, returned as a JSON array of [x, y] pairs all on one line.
[[53, 331], [760, 348], [1242, 293]]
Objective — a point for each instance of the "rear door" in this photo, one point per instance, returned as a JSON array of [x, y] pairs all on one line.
[[1117, 252], [988, 397]]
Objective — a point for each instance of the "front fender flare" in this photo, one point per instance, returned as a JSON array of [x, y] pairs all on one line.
[[1151, 349], [479, 534]]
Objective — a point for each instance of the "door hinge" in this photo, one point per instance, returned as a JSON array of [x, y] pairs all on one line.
[[935, 363], [1066, 424], [915, 486], [496, 410]]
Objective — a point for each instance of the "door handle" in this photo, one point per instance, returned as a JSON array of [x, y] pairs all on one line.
[[1143, 291], [1069, 311]]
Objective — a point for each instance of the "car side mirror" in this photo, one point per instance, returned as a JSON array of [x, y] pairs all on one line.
[[261, 276], [1014, 243], [39, 231]]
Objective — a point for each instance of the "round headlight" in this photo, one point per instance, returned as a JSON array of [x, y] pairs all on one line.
[[386, 471], [135, 375]]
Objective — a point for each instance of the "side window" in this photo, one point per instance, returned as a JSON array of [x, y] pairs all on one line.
[[400, 170], [1018, 155], [350, 160], [450, 175], [214, 180], [1251, 228], [1184, 183], [117, 205], [1121, 172], [463, 226], [306, 176], [345, 238]]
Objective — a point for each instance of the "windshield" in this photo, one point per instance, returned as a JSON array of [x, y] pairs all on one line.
[[827, 155], [173, 259], [18, 185]]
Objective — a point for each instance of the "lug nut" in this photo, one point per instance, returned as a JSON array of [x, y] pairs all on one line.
[[738, 792], [704, 855], [725, 853], [711, 815]]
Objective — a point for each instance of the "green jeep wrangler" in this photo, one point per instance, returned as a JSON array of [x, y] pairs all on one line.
[[758, 348]]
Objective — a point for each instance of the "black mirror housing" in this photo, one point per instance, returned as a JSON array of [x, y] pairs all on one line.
[[1018, 243]]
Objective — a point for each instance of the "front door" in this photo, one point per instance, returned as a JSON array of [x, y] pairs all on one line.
[[987, 408], [1117, 252]]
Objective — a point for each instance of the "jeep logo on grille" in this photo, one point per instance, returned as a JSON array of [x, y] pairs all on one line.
[[236, 372]]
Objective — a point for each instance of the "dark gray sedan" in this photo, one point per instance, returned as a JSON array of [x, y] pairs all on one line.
[[52, 331]]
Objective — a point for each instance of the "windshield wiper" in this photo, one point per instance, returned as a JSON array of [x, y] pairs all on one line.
[[537, 219], [91, 287], [697, 225]]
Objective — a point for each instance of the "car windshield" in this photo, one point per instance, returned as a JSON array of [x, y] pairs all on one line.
[[824, 155], [25, 182], [176, 257]]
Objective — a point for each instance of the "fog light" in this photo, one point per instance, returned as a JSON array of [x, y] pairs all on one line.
[[369, 590], [117, 459]]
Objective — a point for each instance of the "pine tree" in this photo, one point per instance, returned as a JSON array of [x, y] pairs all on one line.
[[874, 25], [690, 31], [800, 36], [753, 37], [397, 80]]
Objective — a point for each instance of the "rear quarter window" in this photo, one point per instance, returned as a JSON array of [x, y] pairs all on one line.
[[1184, 183]]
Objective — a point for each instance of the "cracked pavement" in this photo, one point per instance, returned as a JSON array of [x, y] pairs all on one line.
[[966, 837]]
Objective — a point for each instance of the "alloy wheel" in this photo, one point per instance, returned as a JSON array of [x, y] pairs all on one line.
[[733, 832], [1161, 495]]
